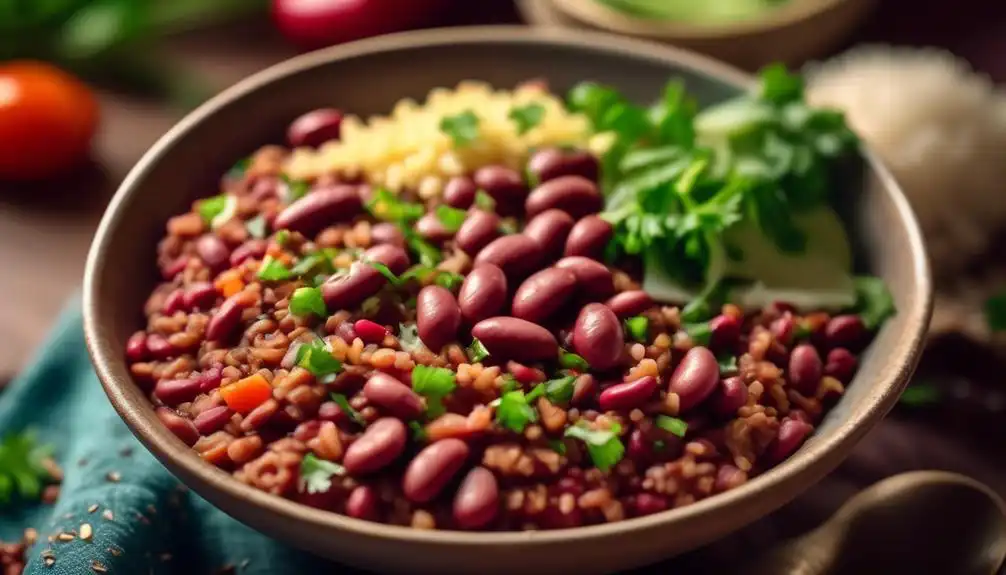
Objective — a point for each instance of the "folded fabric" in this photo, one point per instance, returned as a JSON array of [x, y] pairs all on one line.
[[142, 519]]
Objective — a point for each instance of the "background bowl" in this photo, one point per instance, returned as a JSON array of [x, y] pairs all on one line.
[[369, 77], [797, 31]]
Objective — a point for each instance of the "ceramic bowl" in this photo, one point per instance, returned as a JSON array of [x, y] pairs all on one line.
[[369, 77]]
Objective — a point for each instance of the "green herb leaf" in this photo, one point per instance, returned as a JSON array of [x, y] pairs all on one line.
[[778, 86], [295, 189], [282, 237], [995, 312], [308, 300], [434, 383], [638, 328], [388, 207], [728, 363], [514, 413], [510, 383], [239, 168], [560, 391], [418, 432], [346, 408], [210, 208], [672, 425], [463, 128], [603, 445], [429, 255], [484, 201], [534, 394], [476, 351], [316, 358], [449, 280], [569, 360], [256, 227], [316, 262], [385, 271], [873, 301], [450, 218], [920, 395], [273, 270], [316, 474], [22, 474], [700, 333], [527, 117], [557, 446], [408, 337]]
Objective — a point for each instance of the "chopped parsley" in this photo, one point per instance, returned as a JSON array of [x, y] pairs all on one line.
[[569, 360], [408, 337], [514, 412], [418, 432], [699, 333], [462, 128], [316, 262], [476, 351], [603, 445], [557, 446], [429, 255], [385, 271], [256, 227], [450, 218], [346, 408], [638, 328], [316, 358], [527, 117], [449, 280], [873, 301], [295, 189], [316, 474], [386, 206], [210, 208], [510, 383], [273, 270], [282, 237], [306, 301], [920, 395], [728, 363], [239, 168], [672, 425], [22, 473], [484, 201], [433, 383], [560, 391]]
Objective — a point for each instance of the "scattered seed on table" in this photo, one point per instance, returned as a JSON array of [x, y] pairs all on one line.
[[126, 452], [98, 566], [65, 537], [48, 558], [113, 476], [107, 514], [50, 494], [245, 563], [51, 538], [115, 551], [30, 536], [92, 508], [86, 532]]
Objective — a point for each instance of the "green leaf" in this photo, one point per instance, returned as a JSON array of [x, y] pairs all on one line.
[[346, 408], [317, 262], [462, 128], [569, 360], [510, 383], [306, 301], [557, 446], [921, 395], [778, 86], [449, 280], [873, 301], [418, 432], [527, 117], [295, 189], [638, 328], [210, 208], [316, 358], [603, 445], [273, 270], [434, 383], [514, 413], [995, 312], [257, 227], [672, 425], [476, 351], [316, 474], [408, 337], [728, 363], [388, 207], [102, 26], [484, 201], [450, 218], [22, 474], [429, 255], [282, 237], [699, 333], [385, 271], [560, 391]]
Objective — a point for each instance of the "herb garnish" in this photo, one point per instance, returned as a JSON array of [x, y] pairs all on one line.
[[462, 128], [434, 383], [638, 328], [873, 301], [672, 425], [316, 474], [295, 189], [22, 473], [484, 201], [569, 360], [306, 301], [450, 218], [527, 117], [995, 312], [386, 206], [513, 411], [603, 445], [346, 408], [316, 358], [476, 351], [273, 270], [256, 227]]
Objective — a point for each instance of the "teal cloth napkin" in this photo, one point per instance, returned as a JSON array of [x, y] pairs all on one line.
[[144, 523]]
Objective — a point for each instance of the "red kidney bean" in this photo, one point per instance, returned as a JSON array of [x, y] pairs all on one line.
[[550, 229], [626, 396], [477, 500], [213, 251], [395, 257], [459, 192], [551, 163], [598, 337], [483, 293], [695, 378], [385, 233], [381, 443], [251, 249], [159, 347], [438, 316], [174, 391], [782, 329], [200, 295], [362, 503], [394, 396], [210, 379], [213, 419], [584, 389], [649, 503], [369, 331], [169, 271], [517, 255], [515, 338], [174, 302], [227, 317], [841, 364], [726, 330], [792, 433], [478, 229], [728, 477], [845, 331], [805, 368], [432, 468], [348, 291], [543, 294], [638, 448], [629, 303], [574, 195], [505, 185], [307, 430], [524, 374], [588, 237], [431, 228], [181, 427], [315, 128], [593, 278], [136, 346], [265, 188], [319, 208], [330, 411], [731, 395]]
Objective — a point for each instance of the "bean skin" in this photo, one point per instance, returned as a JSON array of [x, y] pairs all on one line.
[[228, 316], [594, 279], [598, 336], [731, 395], [841, 364], [315, 128], [321, 207], [392, 395], [363, 280], [551, 163], [629, 395], [432, 468], [362, 503], [136, 346], [251, 249], [174, 302], [630, 303], [517, 255], [200, 295], [543, 294], [477, 500], [213, 251], [438, 316], [505, 185], [369, 331], [213, 419], [382, 442], [479, 228], [210, 379], [695, 378], [588, 237], [584, 389], [174, 391], [550, 229], [159, 348], [805, 368], [385, 233], [792, 433], [845, 331], [431, 228], [483, 293], [517, 339], [392, 256], [459, 192], [574, 195], [726, 330], [181, 427]]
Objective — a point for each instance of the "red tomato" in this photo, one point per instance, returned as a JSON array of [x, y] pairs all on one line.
[[314, 24], [47, 120]]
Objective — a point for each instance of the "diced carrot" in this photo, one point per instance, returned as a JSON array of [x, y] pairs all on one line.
[[229, 283], [246, 394]]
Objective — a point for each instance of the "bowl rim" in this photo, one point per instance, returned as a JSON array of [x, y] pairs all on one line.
[[816, 457], [600, 15]]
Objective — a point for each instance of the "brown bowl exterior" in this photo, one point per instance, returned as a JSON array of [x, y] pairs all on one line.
[[368, 77]]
